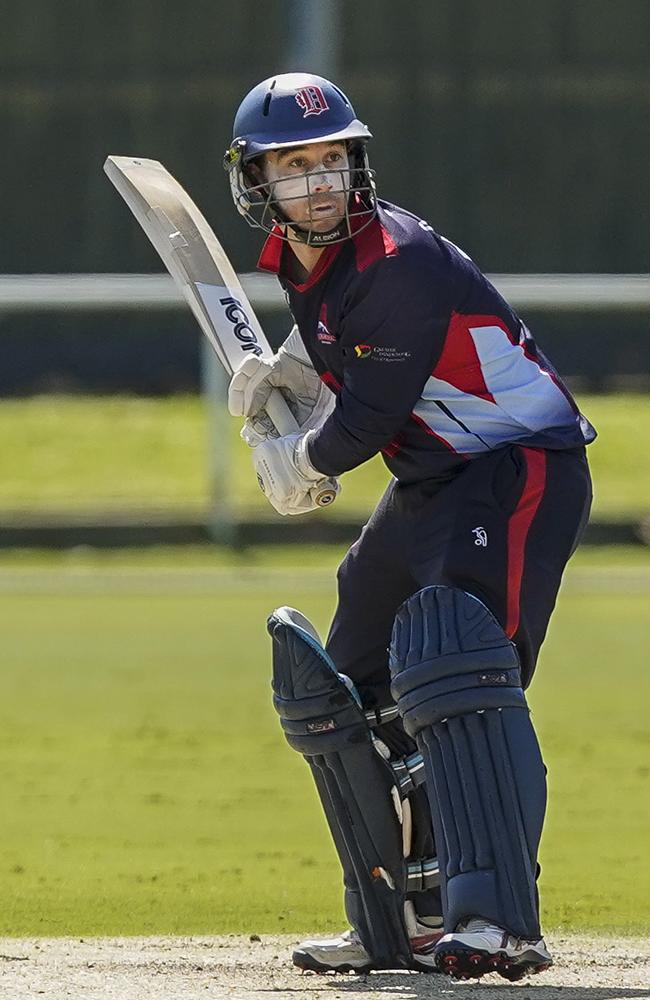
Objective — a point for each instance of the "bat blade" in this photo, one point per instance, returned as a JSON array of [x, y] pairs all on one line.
[[200, 267], [193, 256]]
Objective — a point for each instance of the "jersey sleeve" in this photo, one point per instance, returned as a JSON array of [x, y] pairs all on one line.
[[391, 335]]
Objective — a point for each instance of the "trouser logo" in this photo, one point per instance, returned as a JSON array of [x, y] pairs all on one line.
[[480, 537]]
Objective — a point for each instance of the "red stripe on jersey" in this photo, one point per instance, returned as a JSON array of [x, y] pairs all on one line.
[[429, 430], [270, 258], [518, 528], [322, 265], [459, 363], [330, 381], [393, 446], [373, 243]]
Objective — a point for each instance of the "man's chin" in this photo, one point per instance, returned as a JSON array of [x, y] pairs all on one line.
[[324, 225]]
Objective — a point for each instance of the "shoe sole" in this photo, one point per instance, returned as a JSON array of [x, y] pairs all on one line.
[[307, 963], [470, 963]]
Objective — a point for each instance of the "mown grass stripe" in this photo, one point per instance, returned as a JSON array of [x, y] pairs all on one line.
[[133, 580]]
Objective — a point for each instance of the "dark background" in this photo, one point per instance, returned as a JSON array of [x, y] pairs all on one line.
[[517, 128]]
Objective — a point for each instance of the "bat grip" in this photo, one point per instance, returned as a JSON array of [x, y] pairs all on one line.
[[282, 417], [323, 492]]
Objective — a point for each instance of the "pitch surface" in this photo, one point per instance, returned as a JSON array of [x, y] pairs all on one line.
[[235, 968]]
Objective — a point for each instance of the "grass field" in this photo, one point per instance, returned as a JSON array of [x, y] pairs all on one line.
[[82, 452], [146, 785], [147, 788]]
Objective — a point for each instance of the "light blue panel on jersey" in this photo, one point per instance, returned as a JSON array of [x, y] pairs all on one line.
[[523, 398], [457, 685]]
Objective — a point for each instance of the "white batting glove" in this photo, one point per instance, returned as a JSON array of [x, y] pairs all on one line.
[[288, 479], [290, 371]]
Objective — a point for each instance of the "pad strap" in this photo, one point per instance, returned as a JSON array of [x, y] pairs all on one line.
[[423, 875], [379, 716], [409, 772]]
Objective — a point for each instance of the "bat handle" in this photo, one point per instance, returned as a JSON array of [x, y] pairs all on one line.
[[323, 492]]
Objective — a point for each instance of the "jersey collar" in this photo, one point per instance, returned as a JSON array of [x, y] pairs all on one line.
[[272, 259]]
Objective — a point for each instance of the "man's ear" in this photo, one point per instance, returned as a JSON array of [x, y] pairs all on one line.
[[256, 169]]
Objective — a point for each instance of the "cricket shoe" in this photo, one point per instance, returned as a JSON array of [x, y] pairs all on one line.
[[347, 954], [477, 947]]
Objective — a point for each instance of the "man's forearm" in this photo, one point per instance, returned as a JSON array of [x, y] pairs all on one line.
[[339, 446]]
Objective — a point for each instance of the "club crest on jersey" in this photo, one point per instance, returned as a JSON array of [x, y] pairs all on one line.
[[312, 101], [323, 335], [363, 350]]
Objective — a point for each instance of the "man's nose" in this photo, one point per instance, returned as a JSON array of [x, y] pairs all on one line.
[[320, 180]]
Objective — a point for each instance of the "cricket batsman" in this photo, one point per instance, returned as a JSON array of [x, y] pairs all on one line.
[[413, 715]]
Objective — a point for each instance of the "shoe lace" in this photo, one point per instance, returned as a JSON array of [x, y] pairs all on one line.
[[477, 924]]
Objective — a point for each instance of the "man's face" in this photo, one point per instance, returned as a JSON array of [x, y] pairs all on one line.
[[306, 185]]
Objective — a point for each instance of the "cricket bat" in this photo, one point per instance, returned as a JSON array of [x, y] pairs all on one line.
[[200, 267]]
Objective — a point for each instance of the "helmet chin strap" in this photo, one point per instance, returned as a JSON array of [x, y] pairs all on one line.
[[312, 239]]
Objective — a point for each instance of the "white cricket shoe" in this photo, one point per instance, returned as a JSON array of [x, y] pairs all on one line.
[[338, 954], [347, 954], [477, 947]]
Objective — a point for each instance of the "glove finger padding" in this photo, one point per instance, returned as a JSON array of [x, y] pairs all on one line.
[[249, 388], [259, 429], [286, 477], [323, 404], [300, 504], [290, 371]]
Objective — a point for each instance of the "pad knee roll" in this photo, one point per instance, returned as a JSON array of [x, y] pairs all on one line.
[[456, 681]]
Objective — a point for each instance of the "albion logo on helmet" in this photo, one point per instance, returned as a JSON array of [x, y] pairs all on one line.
[[312, 101]]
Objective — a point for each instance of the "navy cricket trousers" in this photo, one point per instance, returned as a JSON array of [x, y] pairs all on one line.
[[502, 529]]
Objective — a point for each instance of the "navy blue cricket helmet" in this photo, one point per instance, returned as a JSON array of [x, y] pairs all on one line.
[[296, 109]]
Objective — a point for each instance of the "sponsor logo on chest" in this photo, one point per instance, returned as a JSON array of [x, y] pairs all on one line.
[[381, 352]]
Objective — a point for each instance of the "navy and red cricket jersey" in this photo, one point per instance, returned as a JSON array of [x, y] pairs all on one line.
[[430, 365]]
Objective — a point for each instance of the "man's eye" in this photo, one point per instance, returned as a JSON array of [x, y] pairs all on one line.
[[334, 157], [297, 162]]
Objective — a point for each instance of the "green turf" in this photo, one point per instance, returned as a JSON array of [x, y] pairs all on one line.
[[77, 451], [147, 789], [80, 452], [83, 558]]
